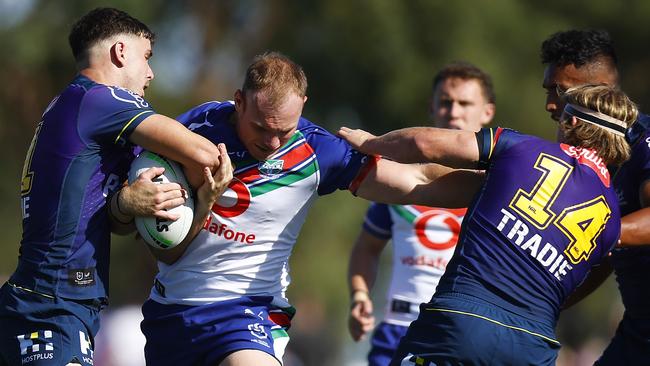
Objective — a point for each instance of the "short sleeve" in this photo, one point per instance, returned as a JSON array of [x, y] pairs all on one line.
[[493, 141], [108, 115], [378, 221], [338, 163]]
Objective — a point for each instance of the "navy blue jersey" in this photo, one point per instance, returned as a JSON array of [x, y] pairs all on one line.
[[545, 215], [79, 155], [632, 265]]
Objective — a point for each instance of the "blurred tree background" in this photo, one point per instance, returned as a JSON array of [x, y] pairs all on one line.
[[369, 64]]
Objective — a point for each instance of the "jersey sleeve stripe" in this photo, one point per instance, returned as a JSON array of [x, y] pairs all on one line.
[[371, 163], [129, 123]]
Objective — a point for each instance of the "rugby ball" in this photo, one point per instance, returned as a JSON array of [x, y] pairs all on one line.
[[157, 232]]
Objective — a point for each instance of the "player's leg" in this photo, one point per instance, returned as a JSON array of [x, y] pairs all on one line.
[[250, 357], [384, 342], [42, 330]]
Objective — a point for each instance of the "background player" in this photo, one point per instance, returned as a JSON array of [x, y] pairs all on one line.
[[577, 57], [423, 237], [79, 156], [546, 213]]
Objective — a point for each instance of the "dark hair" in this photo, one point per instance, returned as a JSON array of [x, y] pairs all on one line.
[[466, 71], [100, 24], [578, 47], [276, 75]]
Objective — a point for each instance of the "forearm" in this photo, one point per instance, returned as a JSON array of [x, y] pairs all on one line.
[[453, 148], [422, 184], [635, 228], [364, 262], [168, 137], [121, 223]]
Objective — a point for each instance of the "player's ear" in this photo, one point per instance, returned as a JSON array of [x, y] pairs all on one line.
[[239, 100], [573, 121], [488, 113], [118, 54]]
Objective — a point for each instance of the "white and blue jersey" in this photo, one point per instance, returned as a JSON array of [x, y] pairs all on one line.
[[245, 246], [227, 292], [79, 155], [423, 241]]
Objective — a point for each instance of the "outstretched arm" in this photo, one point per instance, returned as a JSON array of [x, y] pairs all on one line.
[[421, 184], [454, 148], [362, 272]]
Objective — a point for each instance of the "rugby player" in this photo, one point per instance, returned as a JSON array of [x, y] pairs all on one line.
[[423, 238], [545, 215]]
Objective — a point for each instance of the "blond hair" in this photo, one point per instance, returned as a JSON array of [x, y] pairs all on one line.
[[275, 75], [612, 148]]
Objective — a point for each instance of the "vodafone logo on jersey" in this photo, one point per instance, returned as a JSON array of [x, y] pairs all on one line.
[[234, 201], [438, 229]]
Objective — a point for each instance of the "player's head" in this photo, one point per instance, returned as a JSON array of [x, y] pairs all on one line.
[[596, 117], [270, 103], [115, 42], [463, 97], [573, 58]]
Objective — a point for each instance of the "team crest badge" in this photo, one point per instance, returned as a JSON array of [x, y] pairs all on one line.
[[271, 168]]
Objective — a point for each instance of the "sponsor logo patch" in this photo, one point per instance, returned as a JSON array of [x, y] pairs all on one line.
[[82, 277]]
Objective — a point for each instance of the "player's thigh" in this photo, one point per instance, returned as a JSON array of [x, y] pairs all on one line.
[[249, 357]]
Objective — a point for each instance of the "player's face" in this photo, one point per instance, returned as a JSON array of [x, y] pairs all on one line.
[[137, 70], [558, 79], [263, 127], [459, 104]]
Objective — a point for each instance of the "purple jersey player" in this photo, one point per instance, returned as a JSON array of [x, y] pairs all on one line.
[[545, 215], [78, 158]]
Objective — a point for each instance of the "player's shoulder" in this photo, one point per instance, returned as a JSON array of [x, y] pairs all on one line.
[[308, 128], [110, 96]]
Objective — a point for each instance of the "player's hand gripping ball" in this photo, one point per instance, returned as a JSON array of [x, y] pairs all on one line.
[[157, 232]]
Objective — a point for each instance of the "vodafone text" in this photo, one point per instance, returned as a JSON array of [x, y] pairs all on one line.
[[227, 233], [422, 260], [548, 256]]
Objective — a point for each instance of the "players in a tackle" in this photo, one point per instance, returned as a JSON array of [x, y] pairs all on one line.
[[545, 215]]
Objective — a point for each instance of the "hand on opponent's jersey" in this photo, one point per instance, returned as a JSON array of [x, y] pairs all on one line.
[[356, 138]]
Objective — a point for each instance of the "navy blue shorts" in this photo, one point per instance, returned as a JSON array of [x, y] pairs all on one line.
[[455, 329], [630, 345], [384, 342], [205, 335], [40, 330]]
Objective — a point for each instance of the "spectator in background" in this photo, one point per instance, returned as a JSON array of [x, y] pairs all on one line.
[[423, 238]]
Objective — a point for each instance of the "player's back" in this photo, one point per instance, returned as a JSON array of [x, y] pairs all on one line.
[[544, 216]]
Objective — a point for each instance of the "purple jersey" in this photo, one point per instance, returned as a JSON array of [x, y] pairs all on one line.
[[545, 214], [632, 265], [338, 163], [79, 155]]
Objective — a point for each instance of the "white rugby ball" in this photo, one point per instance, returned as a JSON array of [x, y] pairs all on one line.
[[160, 233]]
